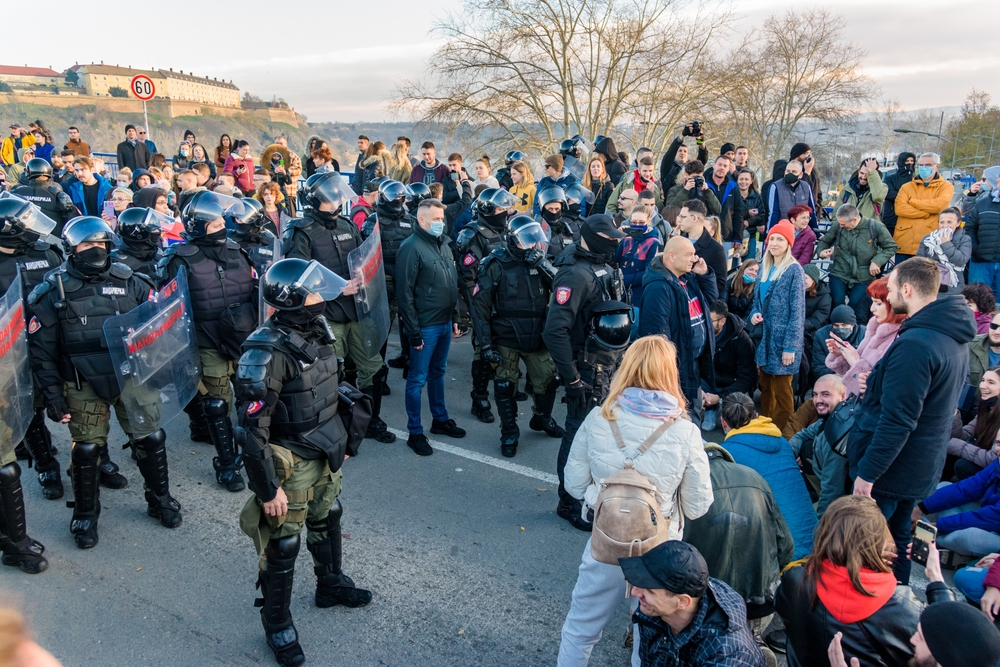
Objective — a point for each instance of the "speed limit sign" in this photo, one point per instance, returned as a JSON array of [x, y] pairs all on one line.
[[142, 87]]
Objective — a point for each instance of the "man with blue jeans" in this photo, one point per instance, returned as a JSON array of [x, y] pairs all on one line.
[[427, 296], [982, 224]]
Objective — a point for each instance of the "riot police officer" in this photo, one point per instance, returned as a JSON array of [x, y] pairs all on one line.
[[503, 174], [22, 224], [73, 368], [254, 232], [140, 230], [395, 226], [514, 286], [41, 191], [586, 322], [416, 193], [477, 240], [223, 291], [327, 236], [294, 444], [551, 209], [577, 200]]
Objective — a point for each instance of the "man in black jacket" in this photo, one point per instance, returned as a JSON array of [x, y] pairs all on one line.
[[359, 173], [427, 295], [678, 289], [606, 150], [132, 153], [676, 157], [899, 442], [982, 224], [905, 166], [735, 367]]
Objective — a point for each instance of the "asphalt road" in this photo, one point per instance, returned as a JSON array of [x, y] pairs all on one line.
[[468, 563]]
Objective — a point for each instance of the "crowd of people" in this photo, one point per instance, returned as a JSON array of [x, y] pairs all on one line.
[[661, 293]]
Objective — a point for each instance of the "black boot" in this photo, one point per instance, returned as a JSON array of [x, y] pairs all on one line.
[[18, 549], [110, 476], [481, 372], [542, 419], [504, 391], [377, 428], [151, 453], [39, 443], [84, 474], [21, 452], [275, 584], [196, 414], [333, 587], [228, 462]]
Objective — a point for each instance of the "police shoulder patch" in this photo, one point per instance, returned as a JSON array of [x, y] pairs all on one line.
[[563, 294], [34, 325], [255, 406], [469, 259]]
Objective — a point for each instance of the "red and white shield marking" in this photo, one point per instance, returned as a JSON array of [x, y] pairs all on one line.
[[33, 325], [563, 294], [469, 259], [255, 407]]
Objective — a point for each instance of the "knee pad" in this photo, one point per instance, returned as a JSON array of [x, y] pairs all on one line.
[[85, 452], [336, 511], [504, 388], [10, 474], [216, 407], [153, 441], [284, 547], [382, 374]]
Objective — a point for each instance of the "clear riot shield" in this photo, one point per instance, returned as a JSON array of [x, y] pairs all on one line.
[[155, 354], [372, 298], [575, 167], [16, 398], [264, 310]]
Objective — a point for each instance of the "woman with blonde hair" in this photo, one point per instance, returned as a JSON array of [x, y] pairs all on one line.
[[523, 188], [779, 302], [401, 167], [644, 400]]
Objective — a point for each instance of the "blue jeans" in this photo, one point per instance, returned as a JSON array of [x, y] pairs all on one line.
[[427, 366], [857, 295], [986, 272], [897, 513]]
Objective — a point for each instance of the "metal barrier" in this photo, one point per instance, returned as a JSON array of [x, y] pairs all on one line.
[[111, 162]]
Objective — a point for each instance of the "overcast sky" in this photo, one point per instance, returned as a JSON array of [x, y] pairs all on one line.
[[341, 60]]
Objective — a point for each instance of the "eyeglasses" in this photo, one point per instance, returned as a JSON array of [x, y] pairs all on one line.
[[120, 200], [994, 326]]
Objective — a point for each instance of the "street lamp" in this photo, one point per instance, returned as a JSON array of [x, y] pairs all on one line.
[[937, 136], [806, 133]]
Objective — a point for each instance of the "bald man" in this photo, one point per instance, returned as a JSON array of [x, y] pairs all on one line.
[[825, 469], [679, 289]]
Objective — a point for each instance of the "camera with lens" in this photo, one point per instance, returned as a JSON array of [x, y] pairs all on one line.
[[692, 129], [699, 182]]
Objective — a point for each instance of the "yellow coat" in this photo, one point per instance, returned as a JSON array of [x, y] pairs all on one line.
[[7, 150], [917, 209]]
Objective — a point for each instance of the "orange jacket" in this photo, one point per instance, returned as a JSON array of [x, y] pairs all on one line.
[[917, 208]]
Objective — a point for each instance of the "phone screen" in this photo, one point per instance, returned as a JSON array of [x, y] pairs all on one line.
[[925, 532]]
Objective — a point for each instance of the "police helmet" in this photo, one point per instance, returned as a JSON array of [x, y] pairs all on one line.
[[392, 195], [525, 233], [142, 226], [87, 229], [569, 147], [36, 167], [493, 205], [205, 208], [513, 156], [327, 188], [552, 194], [416, 193], [599, 138], [576, 193], [288, 282], [611, 324], [246, 216], [21, 222]]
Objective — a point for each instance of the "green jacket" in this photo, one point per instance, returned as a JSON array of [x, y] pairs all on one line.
[[855, 249], [870, 204], [677, 196], [627, 183], [979, 360]]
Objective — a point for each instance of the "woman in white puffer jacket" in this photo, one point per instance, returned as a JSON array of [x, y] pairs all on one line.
[[644, 393]]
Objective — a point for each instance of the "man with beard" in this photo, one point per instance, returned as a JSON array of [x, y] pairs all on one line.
[[816, 457]]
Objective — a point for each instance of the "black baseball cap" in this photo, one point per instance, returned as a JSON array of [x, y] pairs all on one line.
[[675, 566], [604, 224]]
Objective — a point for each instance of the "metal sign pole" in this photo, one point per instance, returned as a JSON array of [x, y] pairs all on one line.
[[145, 119]]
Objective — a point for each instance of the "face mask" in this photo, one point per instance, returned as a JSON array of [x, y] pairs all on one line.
[[574, 210], [925, 172], [842, 332], [598, 244], [185, 152], [549, 216], [437, 228], [93, 258], [748, 279], [301, 317], [218, 237], [791, 179], [908, 168]]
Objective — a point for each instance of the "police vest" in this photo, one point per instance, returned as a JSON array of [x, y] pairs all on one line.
[[34, 262], [138, 260], [45, 197], [520, 301], [330, 247], [261, 254], [393, 232]]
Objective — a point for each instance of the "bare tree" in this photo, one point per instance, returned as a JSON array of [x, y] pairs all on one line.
[[797, 67], [888, 120], [525, 73]]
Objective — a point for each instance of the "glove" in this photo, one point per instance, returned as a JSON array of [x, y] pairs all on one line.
[[490, 355], [577, 396], [56, 411], [534, 257]]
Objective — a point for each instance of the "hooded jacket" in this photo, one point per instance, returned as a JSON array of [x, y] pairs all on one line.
[[743, 536], [676, 463], [820, 352], [979, 360], [856, 249], [878, 337], [982, 223], [877, 629], [77, 195], [735, 368], [899, 439], [818, 309], [917, 209], [893, 183], [759, 446], [867, 198], [957, 252], [664, 310], [612, 165]]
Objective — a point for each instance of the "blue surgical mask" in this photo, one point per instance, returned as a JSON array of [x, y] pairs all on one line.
[[437, 228], [925, 172], [748, 279]]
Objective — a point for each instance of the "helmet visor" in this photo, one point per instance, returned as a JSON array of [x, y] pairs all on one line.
[[31, 217], [530, 236], [317, 279], [334, 189], [157, 220], [577, 193], [504, 199]]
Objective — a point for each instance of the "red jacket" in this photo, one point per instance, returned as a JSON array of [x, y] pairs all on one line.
[[804, 246]]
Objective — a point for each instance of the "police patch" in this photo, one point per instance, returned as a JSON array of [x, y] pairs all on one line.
[[255, 407], [34, 266], [113, 291], [33, 325], [469, 259], [475, 290], [563, 294]]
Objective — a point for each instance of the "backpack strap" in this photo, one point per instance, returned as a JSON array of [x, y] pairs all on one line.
[[644, 447]]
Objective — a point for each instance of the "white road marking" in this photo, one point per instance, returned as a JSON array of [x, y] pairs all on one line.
[[482, 458]]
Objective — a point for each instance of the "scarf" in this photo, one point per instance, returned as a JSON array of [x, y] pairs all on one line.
[[650, 403], [933, 243]]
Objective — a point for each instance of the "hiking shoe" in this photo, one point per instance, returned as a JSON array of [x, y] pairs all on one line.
[[448, 428]]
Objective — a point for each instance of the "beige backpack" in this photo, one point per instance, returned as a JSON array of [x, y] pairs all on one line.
[[627, 517]]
